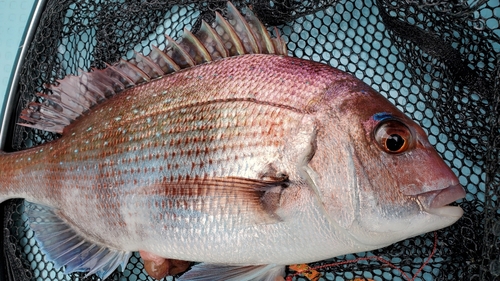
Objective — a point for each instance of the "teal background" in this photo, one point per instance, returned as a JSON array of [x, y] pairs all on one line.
[[14, 17]]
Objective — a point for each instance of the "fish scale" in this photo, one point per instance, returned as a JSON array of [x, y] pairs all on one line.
[[245, 162]]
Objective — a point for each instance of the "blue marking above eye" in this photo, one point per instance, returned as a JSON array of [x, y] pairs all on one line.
[[381, 116]]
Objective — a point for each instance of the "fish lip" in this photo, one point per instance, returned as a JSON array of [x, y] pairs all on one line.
[[448, 195], [441, 198]]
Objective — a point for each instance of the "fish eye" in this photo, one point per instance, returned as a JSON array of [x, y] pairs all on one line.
[[392, 136]]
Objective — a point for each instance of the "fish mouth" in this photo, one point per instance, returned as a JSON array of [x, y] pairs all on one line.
[[436, 202]]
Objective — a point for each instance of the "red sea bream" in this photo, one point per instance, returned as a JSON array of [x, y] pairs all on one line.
[[225, 151]]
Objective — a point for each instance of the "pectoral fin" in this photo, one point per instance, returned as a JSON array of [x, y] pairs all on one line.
[[253, 200], [213, 272], [65, 247]]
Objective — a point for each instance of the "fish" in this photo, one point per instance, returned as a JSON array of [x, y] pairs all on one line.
[[223, 150]]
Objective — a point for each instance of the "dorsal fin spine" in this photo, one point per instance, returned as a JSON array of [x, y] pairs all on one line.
[[131, 71], [241, 27], [212, 40], [197, 51], [59, 99], [121, 77], [104, 82], [263, 37], [114, 79], [227, 33], [145, 64], [279, 44], [69, 110], [165, 62], [76, 94], [178, 54]]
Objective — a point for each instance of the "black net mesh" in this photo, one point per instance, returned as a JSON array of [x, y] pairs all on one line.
[[438, 61]]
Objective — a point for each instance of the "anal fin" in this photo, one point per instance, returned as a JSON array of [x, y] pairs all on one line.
[[64, 247], [213, 272]]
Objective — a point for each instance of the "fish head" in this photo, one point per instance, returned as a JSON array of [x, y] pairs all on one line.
[[378, 176]]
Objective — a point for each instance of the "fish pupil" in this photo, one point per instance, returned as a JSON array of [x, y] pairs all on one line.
[[395, 142]]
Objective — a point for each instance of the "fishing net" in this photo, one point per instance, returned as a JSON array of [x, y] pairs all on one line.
[[438, 61]]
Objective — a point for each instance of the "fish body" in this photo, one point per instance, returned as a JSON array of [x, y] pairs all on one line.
[[133, 172], [253, 159]]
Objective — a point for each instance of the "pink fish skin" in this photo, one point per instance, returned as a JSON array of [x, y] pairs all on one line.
[[256, 159]]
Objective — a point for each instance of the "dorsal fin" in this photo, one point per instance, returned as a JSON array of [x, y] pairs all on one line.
[[74, 95]]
